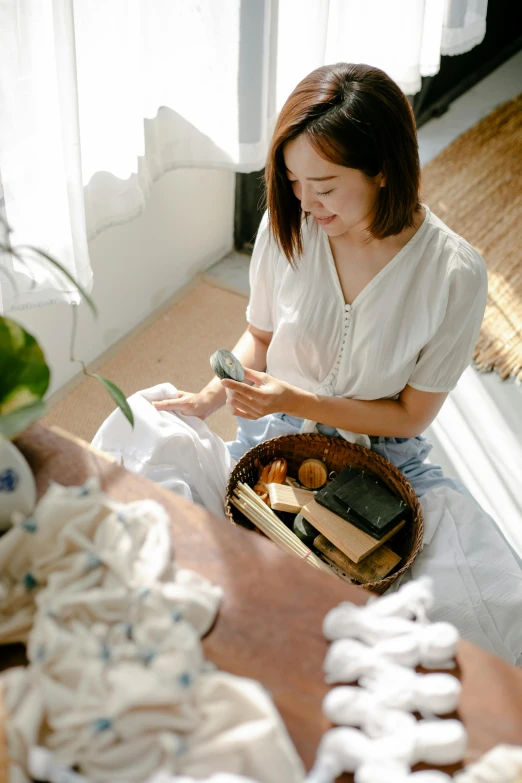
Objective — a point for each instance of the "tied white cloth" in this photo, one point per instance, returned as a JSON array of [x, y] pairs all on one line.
[[391, 740], [502, 764], [89, 555], [179, 452], [117, 683], [43, 766]]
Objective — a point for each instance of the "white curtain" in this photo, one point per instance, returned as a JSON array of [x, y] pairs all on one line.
[[40, 151], [98, 100], [403, 37]]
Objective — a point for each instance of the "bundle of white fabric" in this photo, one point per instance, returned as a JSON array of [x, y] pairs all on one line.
[[44, 767], [379, 645], [117, 684]]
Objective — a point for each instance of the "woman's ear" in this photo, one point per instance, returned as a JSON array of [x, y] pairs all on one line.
[[382, 183]]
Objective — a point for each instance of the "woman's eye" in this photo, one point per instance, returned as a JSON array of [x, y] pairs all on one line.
[[326, 193]]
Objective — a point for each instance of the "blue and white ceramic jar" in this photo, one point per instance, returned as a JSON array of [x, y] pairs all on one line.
[[17, 485]]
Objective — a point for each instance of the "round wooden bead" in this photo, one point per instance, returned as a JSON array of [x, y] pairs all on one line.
[[225, 365], [313, 473]]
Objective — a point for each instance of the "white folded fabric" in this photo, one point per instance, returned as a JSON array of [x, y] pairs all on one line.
[[43, 766], [117, 684], [179, 452]]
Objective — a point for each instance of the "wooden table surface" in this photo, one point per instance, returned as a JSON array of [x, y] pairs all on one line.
[[269, 625]]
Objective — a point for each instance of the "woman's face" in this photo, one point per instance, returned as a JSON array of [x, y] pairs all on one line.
[[340, 199]]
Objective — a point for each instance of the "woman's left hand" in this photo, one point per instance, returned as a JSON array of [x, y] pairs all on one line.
[[268, 395]]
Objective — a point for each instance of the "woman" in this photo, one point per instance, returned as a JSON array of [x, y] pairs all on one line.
[[364, 312], [364, 307]]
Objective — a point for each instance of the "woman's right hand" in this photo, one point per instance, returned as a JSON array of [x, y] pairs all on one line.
[[187, 403]]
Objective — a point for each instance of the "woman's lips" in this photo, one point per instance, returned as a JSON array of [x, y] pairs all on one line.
[[325, 221]]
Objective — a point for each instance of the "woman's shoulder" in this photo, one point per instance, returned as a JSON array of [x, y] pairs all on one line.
[[454, 251]]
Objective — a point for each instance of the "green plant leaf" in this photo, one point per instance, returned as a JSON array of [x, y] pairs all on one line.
[[12, 424], [117, 395], [24, 374]]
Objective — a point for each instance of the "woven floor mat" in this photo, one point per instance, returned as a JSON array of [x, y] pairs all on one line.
[[475, 187]]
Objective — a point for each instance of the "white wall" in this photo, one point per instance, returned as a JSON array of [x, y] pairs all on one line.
[[186, 227]]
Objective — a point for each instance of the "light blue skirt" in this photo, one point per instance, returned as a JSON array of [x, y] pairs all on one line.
[[407, 454]]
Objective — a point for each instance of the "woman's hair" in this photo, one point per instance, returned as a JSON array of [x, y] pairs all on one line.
[[354, 116]]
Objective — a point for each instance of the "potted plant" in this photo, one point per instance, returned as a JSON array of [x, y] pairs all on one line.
[[24, 380]]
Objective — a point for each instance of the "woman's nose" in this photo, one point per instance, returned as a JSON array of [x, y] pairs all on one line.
[[308, 199]]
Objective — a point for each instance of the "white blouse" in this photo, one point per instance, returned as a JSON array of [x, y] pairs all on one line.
[[416, 322]]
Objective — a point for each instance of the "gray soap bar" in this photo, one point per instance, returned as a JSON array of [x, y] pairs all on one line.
[[225, 365]]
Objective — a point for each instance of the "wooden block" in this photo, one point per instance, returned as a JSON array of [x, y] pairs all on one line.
[[373, 568], [345, 536], [284, 498], [313, 473], [336, 570]]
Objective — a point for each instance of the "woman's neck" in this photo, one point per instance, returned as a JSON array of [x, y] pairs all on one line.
[[359, 240]]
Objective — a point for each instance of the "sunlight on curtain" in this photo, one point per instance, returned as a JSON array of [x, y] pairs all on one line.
[[487, 457], [134, 57], [108, 96], [98, 100], [39, 150], [405, 38]]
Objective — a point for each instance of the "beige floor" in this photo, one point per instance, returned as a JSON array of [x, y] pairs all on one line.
[[175, 348]]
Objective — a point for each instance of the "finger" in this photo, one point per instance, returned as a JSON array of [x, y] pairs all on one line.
[[228, 383], [254, 376], [248, 402], [247, 394], [245, 415], [162, 405], [244, 410]]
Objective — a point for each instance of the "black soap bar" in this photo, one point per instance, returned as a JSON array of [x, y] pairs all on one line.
[[326, 496], [365, 502], [372, 504]]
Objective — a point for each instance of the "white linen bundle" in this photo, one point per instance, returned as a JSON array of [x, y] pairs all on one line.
[[379, 645], [117, 685]]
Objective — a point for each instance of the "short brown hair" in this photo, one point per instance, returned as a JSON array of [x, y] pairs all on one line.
[[355, 116]]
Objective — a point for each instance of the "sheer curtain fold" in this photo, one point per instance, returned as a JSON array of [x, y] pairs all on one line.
[[40, 151], [98, 100]]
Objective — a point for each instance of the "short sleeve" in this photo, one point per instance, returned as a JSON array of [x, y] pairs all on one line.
[[262, 280], [443, 360]]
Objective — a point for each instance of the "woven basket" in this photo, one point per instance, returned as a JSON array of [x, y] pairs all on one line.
[[337, 454]]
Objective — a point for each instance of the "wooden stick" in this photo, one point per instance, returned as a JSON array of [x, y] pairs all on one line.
[[264, 522], [270, 524], [269, 530]]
